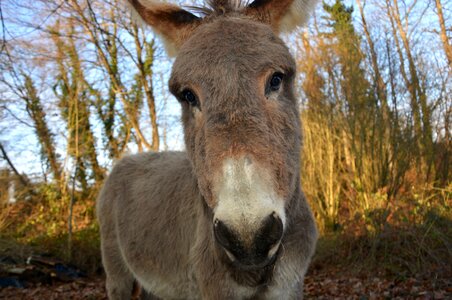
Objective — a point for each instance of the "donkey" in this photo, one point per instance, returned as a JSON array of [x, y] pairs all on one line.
[[226, 219]]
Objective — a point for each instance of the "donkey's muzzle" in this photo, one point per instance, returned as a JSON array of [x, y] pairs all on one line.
[[257, 253]]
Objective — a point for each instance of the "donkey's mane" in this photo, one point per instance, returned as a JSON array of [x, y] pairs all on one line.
[[219, 7]]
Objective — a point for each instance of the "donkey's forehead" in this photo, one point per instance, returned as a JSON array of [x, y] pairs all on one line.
[[230, 44]]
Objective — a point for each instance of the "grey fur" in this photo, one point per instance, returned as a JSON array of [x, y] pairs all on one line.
[[156, 209]]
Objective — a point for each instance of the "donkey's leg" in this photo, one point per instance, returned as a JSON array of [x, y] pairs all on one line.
[[119, 279], [148, 296]]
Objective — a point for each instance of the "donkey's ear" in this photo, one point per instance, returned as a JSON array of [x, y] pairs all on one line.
[[282, 15], [172, 23]]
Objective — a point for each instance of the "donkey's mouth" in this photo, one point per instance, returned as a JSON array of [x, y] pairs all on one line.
[[252, 266], [254, 262]]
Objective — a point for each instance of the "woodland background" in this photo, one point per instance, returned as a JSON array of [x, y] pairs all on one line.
[[81, 86]]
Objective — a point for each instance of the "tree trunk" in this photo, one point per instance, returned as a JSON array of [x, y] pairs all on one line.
[[90, 27], [413, 95], [21, 177], [37, 114], [446, 43], [145, 68], [427, 136], [74, 103], [380, 85]]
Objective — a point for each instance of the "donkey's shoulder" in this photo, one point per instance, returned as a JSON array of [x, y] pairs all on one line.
[[147, 170], [150, 161], [139, 176]]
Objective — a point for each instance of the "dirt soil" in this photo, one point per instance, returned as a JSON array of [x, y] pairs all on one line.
[[318, 285]]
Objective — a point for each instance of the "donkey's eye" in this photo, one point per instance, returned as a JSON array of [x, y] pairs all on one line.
[[190, 97], [275, 82]]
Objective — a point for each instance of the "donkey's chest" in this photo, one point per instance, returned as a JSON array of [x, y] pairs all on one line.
[[184, 285], [179, 286], [282, 281]]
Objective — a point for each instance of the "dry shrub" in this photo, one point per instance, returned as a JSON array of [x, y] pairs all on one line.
[[5, 219], [321, 168], [337, 174], [348, 177], [395, 250]]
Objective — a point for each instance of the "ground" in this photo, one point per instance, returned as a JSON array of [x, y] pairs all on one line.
[[318, 285]]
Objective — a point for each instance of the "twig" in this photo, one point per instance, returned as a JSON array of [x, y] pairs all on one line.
[[22, 179]]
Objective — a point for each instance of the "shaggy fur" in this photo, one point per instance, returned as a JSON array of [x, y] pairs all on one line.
[[156, 210]]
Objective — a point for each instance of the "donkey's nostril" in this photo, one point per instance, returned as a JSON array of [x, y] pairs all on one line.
[[225, 236], [269, 235], [273, 227]]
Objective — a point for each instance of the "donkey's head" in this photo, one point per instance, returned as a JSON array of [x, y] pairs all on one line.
[[234, 78]]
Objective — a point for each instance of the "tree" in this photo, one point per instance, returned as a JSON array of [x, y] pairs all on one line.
[[45, 136], [88, 20], [72, 90], [443, 33], [421, 111]]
